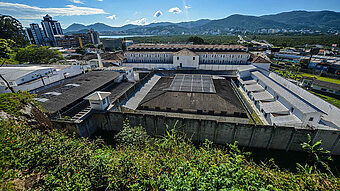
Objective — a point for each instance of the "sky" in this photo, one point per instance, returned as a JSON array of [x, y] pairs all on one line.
[[141, 12]]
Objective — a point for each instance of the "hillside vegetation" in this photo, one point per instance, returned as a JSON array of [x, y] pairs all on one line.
[[39, 157]]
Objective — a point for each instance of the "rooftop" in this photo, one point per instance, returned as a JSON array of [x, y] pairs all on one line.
[[288, 96], [13, 73], [98, 96], [273, 107], [262, 96], [259, 59], [182, 46], [224, 102], [185, 52], [75, 89]]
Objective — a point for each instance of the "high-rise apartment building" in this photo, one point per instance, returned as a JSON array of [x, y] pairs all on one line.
[[51, 28]]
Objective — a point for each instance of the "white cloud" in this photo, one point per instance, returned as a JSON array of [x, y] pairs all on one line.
[[141, 21], [77, 1], [175, 10], [158, 13], [22, 11], [113, 17], [99, 0], [187, 7]]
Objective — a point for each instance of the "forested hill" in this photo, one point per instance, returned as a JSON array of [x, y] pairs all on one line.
[[294, 20]]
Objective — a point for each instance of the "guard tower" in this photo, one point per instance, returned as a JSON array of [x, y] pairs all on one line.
[[99, 100]]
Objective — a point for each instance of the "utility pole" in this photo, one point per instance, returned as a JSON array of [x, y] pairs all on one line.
[[9, 87]]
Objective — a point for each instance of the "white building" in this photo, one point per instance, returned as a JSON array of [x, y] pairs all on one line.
[[173, 56], [29, 78], [284, 103]]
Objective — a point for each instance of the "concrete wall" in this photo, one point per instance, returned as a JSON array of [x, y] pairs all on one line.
[[268, 137]]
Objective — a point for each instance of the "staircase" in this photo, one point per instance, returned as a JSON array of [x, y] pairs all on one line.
[[81, 113], [134, 101]]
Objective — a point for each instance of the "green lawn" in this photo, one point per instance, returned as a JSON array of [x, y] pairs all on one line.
[[332, 80], [329, 99]]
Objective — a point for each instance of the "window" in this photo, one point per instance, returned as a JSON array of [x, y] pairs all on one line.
[[177, 58], [193, 58], [311, 119], [277, 97], [104, 101], [292, 109]]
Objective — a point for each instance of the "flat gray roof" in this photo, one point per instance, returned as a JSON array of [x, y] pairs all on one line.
[[284, 93], [13, 73], [273, 107], [253, 88], [262, 96], [70, 94]]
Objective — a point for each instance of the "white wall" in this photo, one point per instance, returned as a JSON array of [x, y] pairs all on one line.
[[332, 111], [186, 61]]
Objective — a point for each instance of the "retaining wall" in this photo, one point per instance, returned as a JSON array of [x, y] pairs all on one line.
[[220, 132]]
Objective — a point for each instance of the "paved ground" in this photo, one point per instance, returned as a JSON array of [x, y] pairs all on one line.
[[258, 113]]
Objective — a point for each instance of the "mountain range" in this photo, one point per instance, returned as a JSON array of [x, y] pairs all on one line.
[[294, 20]]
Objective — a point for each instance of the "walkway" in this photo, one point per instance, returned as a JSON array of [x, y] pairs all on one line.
[[134, 101]]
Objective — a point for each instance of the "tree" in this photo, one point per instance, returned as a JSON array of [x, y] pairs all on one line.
[[195, 40], [80, 50], [312, 52], [11, 28], [6, 48], [5, 53], [34, 54], [317, 156]]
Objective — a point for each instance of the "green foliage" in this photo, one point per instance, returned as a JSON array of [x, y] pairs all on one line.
[[317, 156], [6, 46], [34, 54], [80, 50], [195, 40], [298, 40], [11, 28], [276, 40], [12, 103], [67, 162], [132, 136], [208, 39]]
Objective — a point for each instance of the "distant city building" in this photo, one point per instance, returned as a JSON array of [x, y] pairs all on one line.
[[78, 40], [94, 35], [46, 35], [51, 28], [35, 34]]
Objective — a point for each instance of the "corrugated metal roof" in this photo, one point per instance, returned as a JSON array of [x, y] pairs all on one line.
[[284, 93]]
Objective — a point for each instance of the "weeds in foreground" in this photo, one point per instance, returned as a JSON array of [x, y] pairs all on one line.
[[45, 159]]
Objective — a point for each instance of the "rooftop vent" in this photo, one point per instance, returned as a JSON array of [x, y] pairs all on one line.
[[53, 93], [74, 85]]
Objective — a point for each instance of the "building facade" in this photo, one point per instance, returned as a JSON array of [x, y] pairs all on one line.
[[51, 28], [172, 56], [37, 34]]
